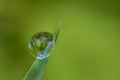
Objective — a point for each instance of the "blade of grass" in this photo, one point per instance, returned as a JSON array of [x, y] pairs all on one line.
[[36, 70]]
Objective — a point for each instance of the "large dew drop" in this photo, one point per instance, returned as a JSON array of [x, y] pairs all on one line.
[[42, 44]]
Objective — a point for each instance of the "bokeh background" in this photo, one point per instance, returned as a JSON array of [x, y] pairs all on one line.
[[88, 46]]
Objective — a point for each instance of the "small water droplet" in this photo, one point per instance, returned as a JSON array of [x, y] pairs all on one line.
[[42, 44]]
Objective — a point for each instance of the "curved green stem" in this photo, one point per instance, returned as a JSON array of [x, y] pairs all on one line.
[[36, 70]]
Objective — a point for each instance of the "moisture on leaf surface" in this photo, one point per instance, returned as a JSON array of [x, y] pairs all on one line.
[[42, 44]]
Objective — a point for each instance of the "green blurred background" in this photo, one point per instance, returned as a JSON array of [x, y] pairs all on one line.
[[88, 47]]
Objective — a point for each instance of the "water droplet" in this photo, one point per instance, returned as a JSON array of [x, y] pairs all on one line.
[[42, 44]]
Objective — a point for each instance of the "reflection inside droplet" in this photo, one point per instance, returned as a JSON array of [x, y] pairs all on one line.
[[42, 44]]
